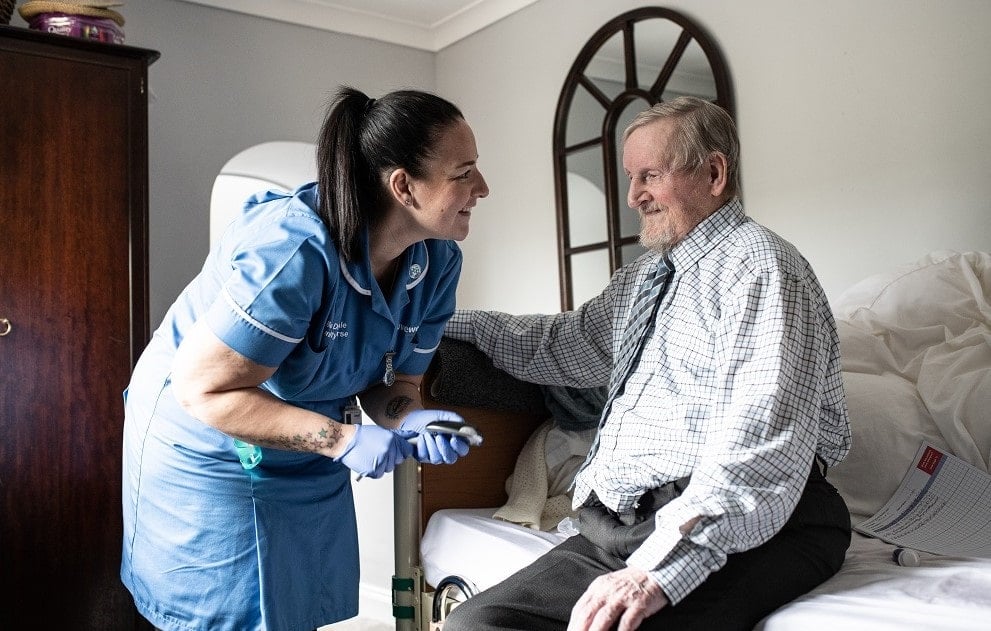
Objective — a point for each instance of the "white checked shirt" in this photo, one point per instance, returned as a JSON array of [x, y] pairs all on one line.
[[738, 387]]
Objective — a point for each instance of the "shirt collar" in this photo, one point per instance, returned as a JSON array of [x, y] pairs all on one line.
[[707, 235]]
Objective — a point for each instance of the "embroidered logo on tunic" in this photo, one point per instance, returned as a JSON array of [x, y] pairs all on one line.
[[408, 329], [334, 330], [415, 270]]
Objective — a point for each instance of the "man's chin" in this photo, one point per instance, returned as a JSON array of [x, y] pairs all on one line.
[[659, 243]]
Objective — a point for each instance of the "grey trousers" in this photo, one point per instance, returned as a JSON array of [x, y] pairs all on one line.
[[809, 549]]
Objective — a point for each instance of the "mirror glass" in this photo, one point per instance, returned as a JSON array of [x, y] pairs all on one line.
[[656, 42], [584, 119], [592, 268], [607, 69], [588, 217], [635, 60]]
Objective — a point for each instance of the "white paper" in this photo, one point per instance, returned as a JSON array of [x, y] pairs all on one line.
[[942, 506]]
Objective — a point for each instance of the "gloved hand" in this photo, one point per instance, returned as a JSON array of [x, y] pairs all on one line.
[[374, 451], [433, 448]]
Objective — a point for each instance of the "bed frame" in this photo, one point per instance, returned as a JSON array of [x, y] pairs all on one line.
[[477, 480]]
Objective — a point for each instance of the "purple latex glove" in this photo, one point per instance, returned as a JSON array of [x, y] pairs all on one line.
[[433, 448], [374, 451]]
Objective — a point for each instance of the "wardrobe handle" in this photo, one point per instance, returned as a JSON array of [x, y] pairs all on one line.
[[4, 326]]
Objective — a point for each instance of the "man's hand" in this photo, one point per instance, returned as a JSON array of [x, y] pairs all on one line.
[[624, 597]]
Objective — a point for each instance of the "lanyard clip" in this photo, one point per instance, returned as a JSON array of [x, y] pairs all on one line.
[[352, 412], [389, 377]]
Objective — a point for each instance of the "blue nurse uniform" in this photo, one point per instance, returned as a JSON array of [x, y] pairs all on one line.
[[208, 544]]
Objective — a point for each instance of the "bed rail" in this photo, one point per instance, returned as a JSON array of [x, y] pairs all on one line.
[[477, 480]]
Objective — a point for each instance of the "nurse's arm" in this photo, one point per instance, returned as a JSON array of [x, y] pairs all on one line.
[[219, 386], [387, 405]]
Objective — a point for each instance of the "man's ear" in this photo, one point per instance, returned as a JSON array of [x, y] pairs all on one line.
[[718, 170], [399, 187]]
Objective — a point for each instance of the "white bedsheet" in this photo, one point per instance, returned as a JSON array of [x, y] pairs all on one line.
[[873, 593], [471, 544], [870, 592]]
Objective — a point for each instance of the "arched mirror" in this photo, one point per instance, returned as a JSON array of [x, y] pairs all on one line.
[[635, 60]]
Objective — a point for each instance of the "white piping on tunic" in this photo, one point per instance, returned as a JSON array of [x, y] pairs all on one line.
[[247, 318], [426, 350], [368, 292], [351, 280]]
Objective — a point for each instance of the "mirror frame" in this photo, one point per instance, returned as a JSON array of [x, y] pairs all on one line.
[[614, 107]]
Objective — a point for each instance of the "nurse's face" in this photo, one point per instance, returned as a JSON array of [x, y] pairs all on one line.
[[443, 199]]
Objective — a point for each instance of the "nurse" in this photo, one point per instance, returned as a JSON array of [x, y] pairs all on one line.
[[312, 301]]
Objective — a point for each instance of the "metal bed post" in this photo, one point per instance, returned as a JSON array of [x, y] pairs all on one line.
[[406, 523]]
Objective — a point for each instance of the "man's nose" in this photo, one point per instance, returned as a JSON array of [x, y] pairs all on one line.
[[633, 195]]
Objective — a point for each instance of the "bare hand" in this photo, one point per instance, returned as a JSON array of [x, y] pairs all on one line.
[[624, 597]]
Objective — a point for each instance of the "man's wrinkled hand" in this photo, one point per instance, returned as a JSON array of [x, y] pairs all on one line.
[[622, 599]]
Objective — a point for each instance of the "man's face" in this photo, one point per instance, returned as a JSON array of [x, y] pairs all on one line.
[[670, 202]]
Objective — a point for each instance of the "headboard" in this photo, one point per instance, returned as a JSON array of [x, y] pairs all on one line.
[[505, 410]]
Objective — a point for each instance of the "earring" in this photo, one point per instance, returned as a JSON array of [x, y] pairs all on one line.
[[408, 201]]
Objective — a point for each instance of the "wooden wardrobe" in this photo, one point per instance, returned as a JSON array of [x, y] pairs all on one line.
[[73, 319]]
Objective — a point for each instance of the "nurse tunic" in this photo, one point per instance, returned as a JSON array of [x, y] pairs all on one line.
[[208, 544]]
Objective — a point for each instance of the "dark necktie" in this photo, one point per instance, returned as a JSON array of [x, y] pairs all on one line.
[[640, 324], [638, 328]]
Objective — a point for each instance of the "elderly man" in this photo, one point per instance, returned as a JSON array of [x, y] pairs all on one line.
[[703, 502]]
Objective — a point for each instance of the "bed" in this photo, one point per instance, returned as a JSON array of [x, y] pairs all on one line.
[[916, 346]]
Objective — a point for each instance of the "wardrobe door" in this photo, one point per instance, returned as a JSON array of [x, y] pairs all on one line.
[[74, 310]]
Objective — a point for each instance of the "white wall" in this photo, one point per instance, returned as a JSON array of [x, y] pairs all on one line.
[[864, 127]]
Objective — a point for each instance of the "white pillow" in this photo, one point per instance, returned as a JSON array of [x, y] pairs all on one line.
[[942, 287], [916, 350], [888, 421]]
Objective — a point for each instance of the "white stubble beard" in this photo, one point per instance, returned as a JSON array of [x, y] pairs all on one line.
[[658, 239]]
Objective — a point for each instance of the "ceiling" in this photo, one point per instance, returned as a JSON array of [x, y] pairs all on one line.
[[425, 24]]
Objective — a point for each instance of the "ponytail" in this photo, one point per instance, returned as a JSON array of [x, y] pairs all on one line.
[[343, 173]]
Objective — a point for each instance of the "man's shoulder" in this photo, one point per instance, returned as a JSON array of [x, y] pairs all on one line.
[[764, 249]]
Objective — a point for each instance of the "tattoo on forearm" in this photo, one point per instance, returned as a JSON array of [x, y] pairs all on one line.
[[397, 405], [324, 439]]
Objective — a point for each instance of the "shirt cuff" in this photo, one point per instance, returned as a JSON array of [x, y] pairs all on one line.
[[676, 562], [686, 566], [246, 335]]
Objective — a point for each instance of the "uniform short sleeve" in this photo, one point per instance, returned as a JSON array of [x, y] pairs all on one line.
[[277, 275]]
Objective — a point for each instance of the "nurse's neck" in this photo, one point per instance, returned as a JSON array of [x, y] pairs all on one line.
[[388, 242], [386, 275]]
